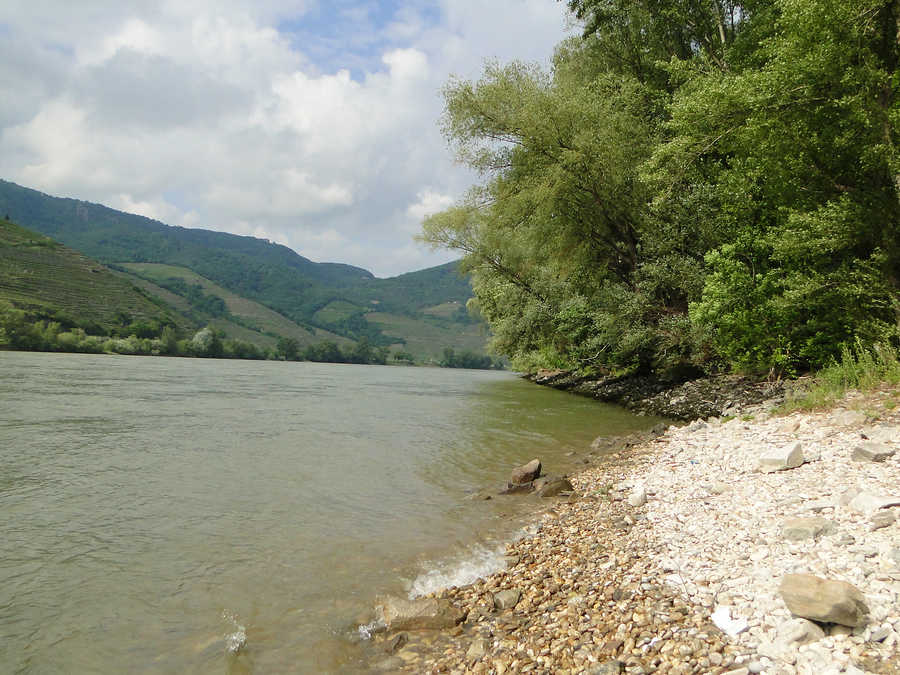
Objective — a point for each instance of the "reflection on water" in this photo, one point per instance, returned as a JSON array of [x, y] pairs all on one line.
[[172, 515]]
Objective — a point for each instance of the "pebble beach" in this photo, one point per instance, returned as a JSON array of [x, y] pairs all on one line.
[[752, 544]]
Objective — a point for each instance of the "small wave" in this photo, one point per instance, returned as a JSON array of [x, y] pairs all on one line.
[[235, 640], [367, 630], [478, 562]]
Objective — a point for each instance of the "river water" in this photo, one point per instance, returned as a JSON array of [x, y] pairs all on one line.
[[167, 515]]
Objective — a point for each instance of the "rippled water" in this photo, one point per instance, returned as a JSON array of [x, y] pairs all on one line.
[[179, 515]]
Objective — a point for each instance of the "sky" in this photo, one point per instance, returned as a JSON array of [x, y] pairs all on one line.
[[314, 124]]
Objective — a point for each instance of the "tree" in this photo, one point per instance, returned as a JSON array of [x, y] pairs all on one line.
[[288, 349], [695, 183]]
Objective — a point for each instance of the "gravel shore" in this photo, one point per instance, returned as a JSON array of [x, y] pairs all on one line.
[[676, 556]]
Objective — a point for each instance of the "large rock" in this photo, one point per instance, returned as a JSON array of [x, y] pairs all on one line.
[[399, 614], [798, 529], [780, 459], [849, 418], [525, 473], [554, 486], [870, 451], [882, 434], [823, 600], [867, 503]]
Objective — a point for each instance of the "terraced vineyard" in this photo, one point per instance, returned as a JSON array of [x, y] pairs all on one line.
[[268, 324], [427, 337], [45, 277]]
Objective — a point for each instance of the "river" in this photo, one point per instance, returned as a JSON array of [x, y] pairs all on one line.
[[168, 515]]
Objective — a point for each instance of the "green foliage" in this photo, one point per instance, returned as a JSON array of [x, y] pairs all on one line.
[[859, 367], [693, 185], [288, 349], [469, 359]]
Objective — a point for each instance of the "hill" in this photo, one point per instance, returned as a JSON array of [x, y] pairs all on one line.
[[330, 297], [53, 282]]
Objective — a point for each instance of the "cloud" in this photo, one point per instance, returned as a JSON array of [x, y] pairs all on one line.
[[312, 124]]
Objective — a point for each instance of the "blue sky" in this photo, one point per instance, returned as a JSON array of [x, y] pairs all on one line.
[[310, 123]]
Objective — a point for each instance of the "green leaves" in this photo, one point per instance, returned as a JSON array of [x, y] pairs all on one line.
[[695, 183]]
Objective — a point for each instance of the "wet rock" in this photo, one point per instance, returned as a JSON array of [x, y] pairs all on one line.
[[507, 599], [872, 452], [477, 649], [399, 614], [521, 489], [824, 600], [396, 643], [391, 665], [525, 473], [798, 529], [553, 487], [781, 458]]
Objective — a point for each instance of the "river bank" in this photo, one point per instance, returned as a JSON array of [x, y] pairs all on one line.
[[671, 557], [700, 398]]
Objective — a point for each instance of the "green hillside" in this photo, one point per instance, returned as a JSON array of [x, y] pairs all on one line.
[[313, 300], [51, 281], [254, 317]]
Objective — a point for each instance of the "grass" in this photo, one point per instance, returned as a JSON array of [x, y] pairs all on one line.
[[335, 311], [859, 369], [427, 337]]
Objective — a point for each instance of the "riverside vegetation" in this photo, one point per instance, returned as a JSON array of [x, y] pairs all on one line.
[[53, 298], [692, 187]]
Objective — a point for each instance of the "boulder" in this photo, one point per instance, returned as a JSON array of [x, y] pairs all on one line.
[[867, 503], [525, 473], [798, 529], [849, 418], [824, 600], [882, 434], [507, 599], [399, 614], [870, 451], [554, 486], [780, 459]]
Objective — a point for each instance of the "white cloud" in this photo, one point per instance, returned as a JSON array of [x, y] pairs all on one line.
[[252, 118]]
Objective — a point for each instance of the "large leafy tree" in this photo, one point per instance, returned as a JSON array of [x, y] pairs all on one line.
[[803, 141], [694, 182]]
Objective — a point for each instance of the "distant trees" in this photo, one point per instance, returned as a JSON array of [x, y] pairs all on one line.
[[467, 359], [21, 330], [288, 349]]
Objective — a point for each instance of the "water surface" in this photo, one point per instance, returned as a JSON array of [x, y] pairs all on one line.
[[155, 512]]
